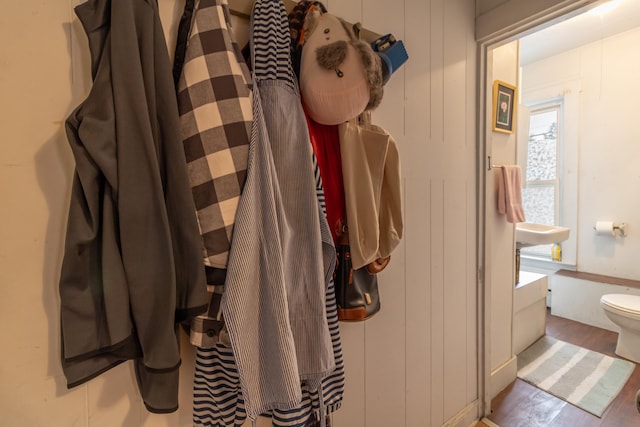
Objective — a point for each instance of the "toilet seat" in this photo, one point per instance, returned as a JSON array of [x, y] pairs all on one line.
[[623, 304]]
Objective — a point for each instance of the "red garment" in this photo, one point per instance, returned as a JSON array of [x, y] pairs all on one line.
[[326, 146]]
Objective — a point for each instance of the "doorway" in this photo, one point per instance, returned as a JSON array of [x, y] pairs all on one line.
[[533, 41]]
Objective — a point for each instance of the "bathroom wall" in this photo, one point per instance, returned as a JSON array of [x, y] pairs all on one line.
[[607, 140], [579, 299], [414, 364], [608, 144]]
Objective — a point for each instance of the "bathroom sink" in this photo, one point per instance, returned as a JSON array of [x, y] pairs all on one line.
[[528, 234]]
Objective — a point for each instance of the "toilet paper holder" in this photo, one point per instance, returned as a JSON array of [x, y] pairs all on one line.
[[617, 228], [621, 228]]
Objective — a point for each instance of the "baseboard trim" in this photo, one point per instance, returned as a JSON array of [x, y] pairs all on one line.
[[486, 421], [466, 417], [503, 375]]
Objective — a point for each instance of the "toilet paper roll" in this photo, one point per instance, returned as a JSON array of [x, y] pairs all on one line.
[[604, 228]]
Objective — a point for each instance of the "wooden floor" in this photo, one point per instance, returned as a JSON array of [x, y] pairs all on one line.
[[522, 404]]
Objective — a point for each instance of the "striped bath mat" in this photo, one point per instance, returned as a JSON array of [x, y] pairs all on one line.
[[584, 378]]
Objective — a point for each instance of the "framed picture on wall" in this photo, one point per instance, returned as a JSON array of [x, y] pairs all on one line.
[[504, 104]]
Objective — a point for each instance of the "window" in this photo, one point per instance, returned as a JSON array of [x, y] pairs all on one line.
[[548, 155], [542, 196]]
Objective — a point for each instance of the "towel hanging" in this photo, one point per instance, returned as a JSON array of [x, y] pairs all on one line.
[[510, 193]]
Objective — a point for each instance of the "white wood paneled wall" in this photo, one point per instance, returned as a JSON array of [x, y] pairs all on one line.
[[414, 364]]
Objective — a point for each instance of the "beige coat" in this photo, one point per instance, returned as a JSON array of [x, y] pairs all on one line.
[[373, 191]]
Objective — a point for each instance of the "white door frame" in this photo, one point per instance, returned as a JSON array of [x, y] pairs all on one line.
[[555, 12]]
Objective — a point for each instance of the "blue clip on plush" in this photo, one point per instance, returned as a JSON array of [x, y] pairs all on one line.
[[391, 52]]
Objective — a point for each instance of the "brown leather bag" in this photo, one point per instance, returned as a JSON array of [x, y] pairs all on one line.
[[357, 294]]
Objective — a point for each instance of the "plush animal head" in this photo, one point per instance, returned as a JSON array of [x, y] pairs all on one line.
[[340, 76]]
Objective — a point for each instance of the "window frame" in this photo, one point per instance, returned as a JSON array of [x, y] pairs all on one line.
[[568, 95], [555, 104]]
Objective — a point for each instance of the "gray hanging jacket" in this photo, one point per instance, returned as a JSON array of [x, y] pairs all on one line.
[[132, 266]]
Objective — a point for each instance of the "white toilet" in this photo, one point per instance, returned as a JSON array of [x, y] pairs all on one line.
[[624, 311]]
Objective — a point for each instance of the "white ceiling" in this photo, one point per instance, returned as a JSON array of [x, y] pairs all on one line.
[[579, 30]]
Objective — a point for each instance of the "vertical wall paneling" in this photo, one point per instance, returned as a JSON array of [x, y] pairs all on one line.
[[455, 326], [385, 369], [437, 301], [454, 89], [436, 75], [437, 149], [418, 84], [417, 214], [418, 304], [456, 207]]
